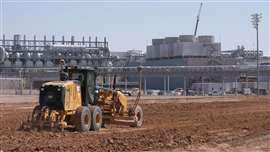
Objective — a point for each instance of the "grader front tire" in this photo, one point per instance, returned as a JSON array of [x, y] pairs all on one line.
[[96, 118], [36, 114], [82, 119]]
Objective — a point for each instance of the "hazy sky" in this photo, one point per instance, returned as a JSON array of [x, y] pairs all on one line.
[[133, 24]]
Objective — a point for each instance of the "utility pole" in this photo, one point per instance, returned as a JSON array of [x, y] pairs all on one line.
[[255, 19]]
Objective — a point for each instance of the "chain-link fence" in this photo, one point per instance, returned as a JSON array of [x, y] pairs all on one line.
[[16, 86]]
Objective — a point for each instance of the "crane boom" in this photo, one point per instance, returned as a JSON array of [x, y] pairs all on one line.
[[198, 18]]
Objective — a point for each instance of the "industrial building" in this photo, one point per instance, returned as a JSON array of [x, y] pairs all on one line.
[[43, 53], [194, 64], [184, 46], [191, 52]]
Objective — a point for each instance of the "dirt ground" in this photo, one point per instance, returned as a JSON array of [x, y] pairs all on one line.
[[171, 124]]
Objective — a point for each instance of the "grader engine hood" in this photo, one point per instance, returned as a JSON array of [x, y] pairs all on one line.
[[60, 95]]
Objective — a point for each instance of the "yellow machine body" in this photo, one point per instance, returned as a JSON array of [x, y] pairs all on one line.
[[71, 92], [57, 101], [106, 97], [68, 103], [122, 99]]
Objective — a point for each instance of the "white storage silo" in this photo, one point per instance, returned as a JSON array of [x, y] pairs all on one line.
[[35, 56], [16, 55], [7, 63], [197, 50], [104, 64], [149, 54], [18, 63], [39, 63], [186, 38], [2, 54], [42, 55], [7, 55], [49, 64], [156, 51], [187, 48], [178, 49], [73, 62], [163, 51], [157, 41], [206, 39], [83, 63], [26, 55], [170, 47], [110, 63], [90, 63], [29, 63], [170, 39]]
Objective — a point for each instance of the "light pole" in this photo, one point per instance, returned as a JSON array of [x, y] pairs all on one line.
[[255, 19]]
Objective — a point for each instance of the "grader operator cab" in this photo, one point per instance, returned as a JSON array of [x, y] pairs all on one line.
[[74, 102]]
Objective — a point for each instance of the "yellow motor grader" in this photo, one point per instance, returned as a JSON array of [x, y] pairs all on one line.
[[74, 102]]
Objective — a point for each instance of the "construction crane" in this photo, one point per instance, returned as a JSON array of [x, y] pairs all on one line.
[[198, 18]]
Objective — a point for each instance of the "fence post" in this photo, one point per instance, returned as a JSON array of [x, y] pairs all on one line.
[[31, 85]]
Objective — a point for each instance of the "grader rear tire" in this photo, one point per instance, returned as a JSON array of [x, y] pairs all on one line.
[[138, 117], [96, 114], [82, 119]]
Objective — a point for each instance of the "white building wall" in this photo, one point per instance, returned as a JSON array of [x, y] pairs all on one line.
[[164, 51], [178, 49], [170, 47], [149, 52], [156, 51], [184, 46]]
